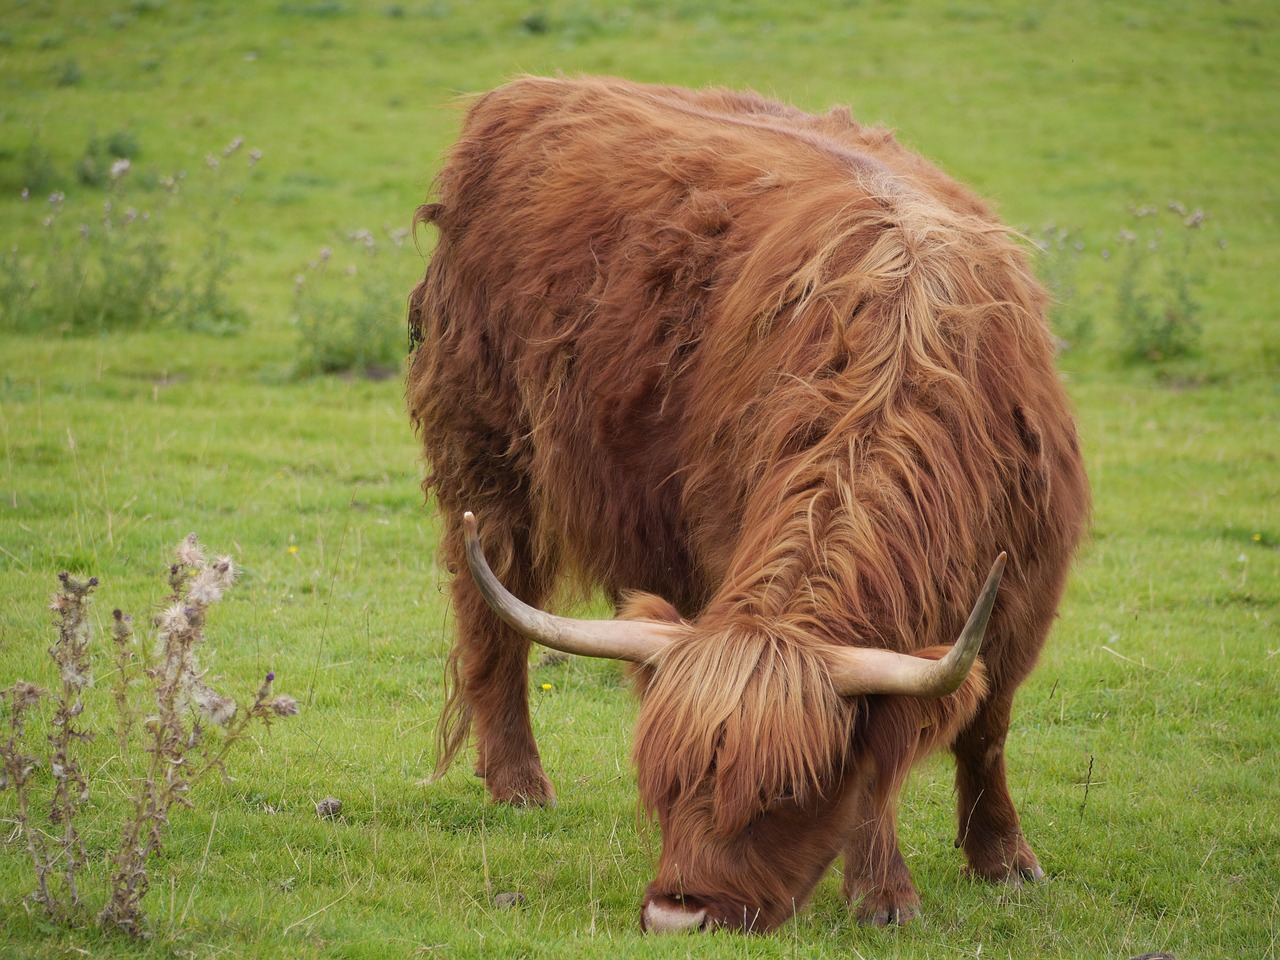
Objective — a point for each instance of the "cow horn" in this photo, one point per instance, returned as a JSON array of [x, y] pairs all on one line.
[[867, 670], [634, 640]]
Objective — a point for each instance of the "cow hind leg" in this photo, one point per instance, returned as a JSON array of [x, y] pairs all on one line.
[[989, 830], [489, 667]]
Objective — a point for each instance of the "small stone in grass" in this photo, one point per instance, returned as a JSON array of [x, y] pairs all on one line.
[[508, 901], [328, 808]]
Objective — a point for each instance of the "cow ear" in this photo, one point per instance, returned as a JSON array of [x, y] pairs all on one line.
[[636, 605]]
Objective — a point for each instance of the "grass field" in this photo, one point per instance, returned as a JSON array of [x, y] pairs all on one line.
[[1144, 750]]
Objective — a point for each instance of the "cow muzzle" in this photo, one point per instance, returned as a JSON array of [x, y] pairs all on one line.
[[665, 915]]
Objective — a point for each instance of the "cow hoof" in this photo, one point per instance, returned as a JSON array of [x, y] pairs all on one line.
[[1022, 875], [886, 908], [1031, 874], [889, 917], [1013, 877], [526, 791], [527, 798]]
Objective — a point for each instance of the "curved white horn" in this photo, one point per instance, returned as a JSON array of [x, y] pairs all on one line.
[[868, 670], [636, 641]]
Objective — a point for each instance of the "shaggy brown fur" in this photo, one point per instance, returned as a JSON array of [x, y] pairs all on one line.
[[788, 376]]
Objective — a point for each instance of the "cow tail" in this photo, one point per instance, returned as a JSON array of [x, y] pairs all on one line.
[[454, 728]]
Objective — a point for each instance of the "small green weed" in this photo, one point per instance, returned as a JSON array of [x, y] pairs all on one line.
[[101, 154], [319, 9], [106, 272], [346, 316], [68, 73], [36, 171], [1156, 307], [104, 264], [1148, 282], [1059, 268], [205, 304]]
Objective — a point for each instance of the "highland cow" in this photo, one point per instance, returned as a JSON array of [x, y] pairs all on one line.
[[784, 392]]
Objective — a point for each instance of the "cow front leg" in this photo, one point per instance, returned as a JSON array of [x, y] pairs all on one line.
[[489, 665], [877, 883], [989, 830]]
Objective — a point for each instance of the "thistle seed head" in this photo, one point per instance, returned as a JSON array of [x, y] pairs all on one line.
[[189, 552], [24, 695], [75, 674], [205, 588], [210, 704], [173, 620]]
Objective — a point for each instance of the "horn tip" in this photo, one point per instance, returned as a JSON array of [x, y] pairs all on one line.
[[996, 574], [469, 523]]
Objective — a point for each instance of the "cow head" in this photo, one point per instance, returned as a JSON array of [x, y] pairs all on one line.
[[742, 745], [742, 749]]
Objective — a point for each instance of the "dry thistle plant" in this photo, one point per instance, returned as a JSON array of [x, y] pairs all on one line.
[[18, 768], [59, 852], [71, 653], [176, 725]]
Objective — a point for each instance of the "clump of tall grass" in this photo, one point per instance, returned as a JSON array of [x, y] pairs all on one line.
[[101, 154], [182, 725], [102, 260], [1157, 309], [348, 308], [1059, 269]]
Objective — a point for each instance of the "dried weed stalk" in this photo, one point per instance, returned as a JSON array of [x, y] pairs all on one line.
[[18, 768], [182, 710], [71, 653]]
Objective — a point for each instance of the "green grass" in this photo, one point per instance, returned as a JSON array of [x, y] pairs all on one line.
[[1143, 752]]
